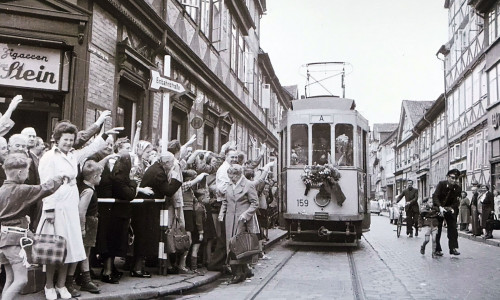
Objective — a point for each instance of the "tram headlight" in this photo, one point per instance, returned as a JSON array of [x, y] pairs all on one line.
[[322, 198]]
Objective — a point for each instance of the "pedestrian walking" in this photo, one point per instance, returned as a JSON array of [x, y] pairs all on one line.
[[430, 218], [446, 198], [476, 228]]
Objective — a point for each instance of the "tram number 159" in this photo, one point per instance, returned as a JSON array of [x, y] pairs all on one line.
[[302, 202]]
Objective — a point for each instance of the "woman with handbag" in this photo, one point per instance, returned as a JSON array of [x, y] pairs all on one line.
[[238, 208], [60, 214]]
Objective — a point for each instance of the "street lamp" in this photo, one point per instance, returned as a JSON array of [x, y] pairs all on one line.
[[441, 54]]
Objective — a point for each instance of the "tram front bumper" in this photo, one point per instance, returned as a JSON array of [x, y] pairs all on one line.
[[323, 217]]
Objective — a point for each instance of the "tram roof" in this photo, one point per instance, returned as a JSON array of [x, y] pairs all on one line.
[[324, 102]]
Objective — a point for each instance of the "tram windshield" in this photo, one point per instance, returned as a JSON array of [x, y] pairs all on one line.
[[321, 143], [299, 140], [343, 145]]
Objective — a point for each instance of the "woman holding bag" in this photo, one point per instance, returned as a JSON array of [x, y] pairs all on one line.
[[60, 210], [239, 207]]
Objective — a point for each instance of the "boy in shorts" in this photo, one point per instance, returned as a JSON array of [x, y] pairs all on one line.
[[15, 201], [87, 208]]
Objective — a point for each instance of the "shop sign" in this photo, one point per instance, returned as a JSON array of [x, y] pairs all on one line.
[[30, 67]]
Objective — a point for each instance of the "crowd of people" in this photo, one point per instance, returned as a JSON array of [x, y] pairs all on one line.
[[450, 207], [55, 189]]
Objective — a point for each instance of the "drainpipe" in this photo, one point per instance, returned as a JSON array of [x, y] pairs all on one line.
[[444, 53], [430, 152]]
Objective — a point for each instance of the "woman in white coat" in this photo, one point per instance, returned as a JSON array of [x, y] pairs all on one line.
[[60, 210]]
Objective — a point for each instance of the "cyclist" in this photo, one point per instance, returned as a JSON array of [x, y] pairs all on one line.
[[411, 207]]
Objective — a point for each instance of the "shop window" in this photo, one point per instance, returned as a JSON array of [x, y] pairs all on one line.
[[321, 143], [299, 144], [125, 116], [178, 129], [343, 145]]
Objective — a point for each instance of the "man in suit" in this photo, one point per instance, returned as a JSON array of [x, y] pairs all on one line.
[[411, 207], [446, 197]]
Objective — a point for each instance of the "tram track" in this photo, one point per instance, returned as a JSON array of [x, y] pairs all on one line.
[[257, 290], [357, 286]]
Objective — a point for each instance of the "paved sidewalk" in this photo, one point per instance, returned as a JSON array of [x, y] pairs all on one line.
[[493, 242], [157, 286]]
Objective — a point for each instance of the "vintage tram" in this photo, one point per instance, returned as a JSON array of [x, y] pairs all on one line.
[[323, 171]]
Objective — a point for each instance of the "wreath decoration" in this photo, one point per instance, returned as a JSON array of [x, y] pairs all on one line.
[[323, 177]]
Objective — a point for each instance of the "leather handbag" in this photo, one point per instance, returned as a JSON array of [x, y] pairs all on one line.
[[48, 249], [178, 240], [244, 244]]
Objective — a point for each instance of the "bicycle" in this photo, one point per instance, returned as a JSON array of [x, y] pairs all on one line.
[[399, 222]]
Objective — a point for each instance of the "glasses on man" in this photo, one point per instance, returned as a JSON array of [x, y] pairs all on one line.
[[453, 177]]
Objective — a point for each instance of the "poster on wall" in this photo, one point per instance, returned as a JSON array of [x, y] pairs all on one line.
[[30, 67]]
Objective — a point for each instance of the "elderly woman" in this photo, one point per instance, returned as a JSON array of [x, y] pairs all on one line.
[[464, 212], [239, 207], [60, 210]]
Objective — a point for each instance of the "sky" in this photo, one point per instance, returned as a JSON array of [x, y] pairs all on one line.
[[389, 46]]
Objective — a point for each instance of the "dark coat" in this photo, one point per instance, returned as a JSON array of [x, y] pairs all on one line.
[[487, 207], [411, 197], [447, 196]]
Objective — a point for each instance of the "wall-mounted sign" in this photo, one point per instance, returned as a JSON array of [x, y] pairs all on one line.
[[196, 122], [31, 67]]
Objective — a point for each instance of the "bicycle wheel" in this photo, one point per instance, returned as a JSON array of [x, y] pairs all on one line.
[[399, 226]]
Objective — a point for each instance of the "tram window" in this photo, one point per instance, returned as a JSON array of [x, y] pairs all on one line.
[[321, 139], [343, 145], [298, 143]]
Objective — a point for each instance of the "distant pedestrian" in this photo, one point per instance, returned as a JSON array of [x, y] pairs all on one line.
[[464, 212], [411, 207], [476, 229], [446, 198]]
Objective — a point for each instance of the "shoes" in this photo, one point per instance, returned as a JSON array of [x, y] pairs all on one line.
[[265, 257], [422, 249], [109, 279], [237, 279], [185, 271], [454, 252], [411, 234], [140, 274], [71, 286], [438, 253], [50, 294], [488, 236], [416, 232], [117, 274], [90, 287], [63, 292]]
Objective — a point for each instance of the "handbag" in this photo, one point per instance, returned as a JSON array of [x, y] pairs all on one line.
[[495, 222], [48, 249], [244, 244], [177, 239]]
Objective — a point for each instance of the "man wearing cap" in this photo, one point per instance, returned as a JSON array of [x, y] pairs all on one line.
[[446, 197], [411, 207]]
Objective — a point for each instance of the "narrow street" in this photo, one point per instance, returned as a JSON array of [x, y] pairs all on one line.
[[383, 267]]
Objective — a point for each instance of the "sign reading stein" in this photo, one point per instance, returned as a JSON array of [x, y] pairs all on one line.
[[30, 67]]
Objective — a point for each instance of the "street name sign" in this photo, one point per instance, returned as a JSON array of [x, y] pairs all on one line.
[[159, 82]]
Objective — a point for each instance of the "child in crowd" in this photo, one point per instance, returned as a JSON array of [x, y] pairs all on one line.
[[430, 214], [88, 211], [15, 201]]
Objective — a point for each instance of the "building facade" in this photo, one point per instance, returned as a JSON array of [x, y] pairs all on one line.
[[407, 143], [379, 156], [108, 48], [466, 91]]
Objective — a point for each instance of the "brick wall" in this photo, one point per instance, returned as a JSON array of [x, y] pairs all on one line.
[[101, 86]]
